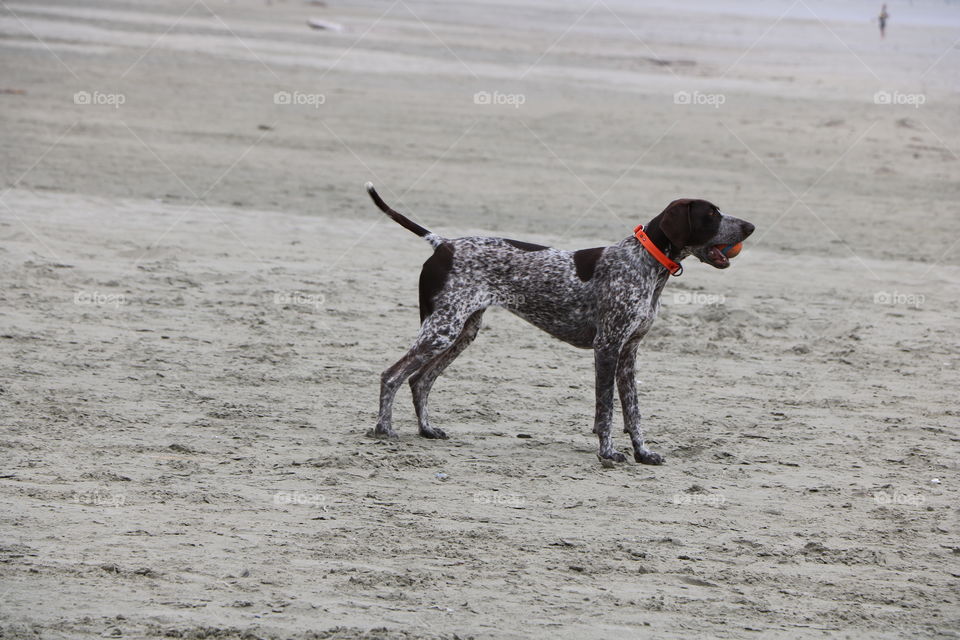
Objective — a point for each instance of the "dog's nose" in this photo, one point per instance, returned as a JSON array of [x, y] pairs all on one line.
[[747, 229]]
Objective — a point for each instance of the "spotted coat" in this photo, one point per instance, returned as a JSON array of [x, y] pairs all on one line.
[[605, 299]]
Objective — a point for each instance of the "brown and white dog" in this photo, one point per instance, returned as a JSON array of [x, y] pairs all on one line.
[[603, 299]]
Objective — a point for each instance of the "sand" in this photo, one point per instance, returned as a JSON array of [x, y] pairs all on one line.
[[198, 299]]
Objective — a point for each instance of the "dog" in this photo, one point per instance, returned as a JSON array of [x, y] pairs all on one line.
[[604, 298]]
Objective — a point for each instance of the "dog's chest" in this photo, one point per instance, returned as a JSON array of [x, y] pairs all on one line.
[[643, 325], [632, 305]]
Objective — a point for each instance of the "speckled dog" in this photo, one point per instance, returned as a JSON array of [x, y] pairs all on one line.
[[603, 299]]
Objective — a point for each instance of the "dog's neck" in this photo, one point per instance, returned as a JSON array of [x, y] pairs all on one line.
[[648, 263], [659, 238]]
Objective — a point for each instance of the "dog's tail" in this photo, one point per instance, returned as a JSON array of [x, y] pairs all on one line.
[[401, 219]]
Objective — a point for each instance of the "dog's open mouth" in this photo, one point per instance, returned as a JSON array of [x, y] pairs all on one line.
[[714, 257]]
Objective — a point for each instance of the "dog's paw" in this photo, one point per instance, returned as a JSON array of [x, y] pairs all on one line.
[[433, 433], [645, 456], [383, 434], [613, 455]]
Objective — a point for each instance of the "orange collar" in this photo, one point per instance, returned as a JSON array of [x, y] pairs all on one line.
[[674, 268]]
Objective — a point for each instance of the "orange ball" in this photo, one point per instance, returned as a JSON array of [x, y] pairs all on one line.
[[732, 250]]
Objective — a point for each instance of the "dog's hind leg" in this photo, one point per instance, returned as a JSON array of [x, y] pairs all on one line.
[[438, 333], [422, 381]]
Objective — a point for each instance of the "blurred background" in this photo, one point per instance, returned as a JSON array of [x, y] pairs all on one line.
[[587, 99]]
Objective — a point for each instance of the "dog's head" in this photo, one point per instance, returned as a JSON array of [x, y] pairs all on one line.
[[696, 227]]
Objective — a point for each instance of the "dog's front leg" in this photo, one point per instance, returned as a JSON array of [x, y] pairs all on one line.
[[627, 385], [605, 359]]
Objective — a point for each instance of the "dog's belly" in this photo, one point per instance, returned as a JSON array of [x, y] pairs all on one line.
[[574, 326]]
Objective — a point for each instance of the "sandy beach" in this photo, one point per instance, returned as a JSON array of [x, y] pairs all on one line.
[[198, 299]]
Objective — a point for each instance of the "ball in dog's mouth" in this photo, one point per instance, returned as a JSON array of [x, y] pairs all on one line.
[[731, 250], [716, 258], [719, 255]]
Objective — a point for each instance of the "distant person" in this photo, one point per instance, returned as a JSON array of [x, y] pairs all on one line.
[[883, 21]]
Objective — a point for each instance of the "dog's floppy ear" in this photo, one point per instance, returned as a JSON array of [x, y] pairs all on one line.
[[675, 222]]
